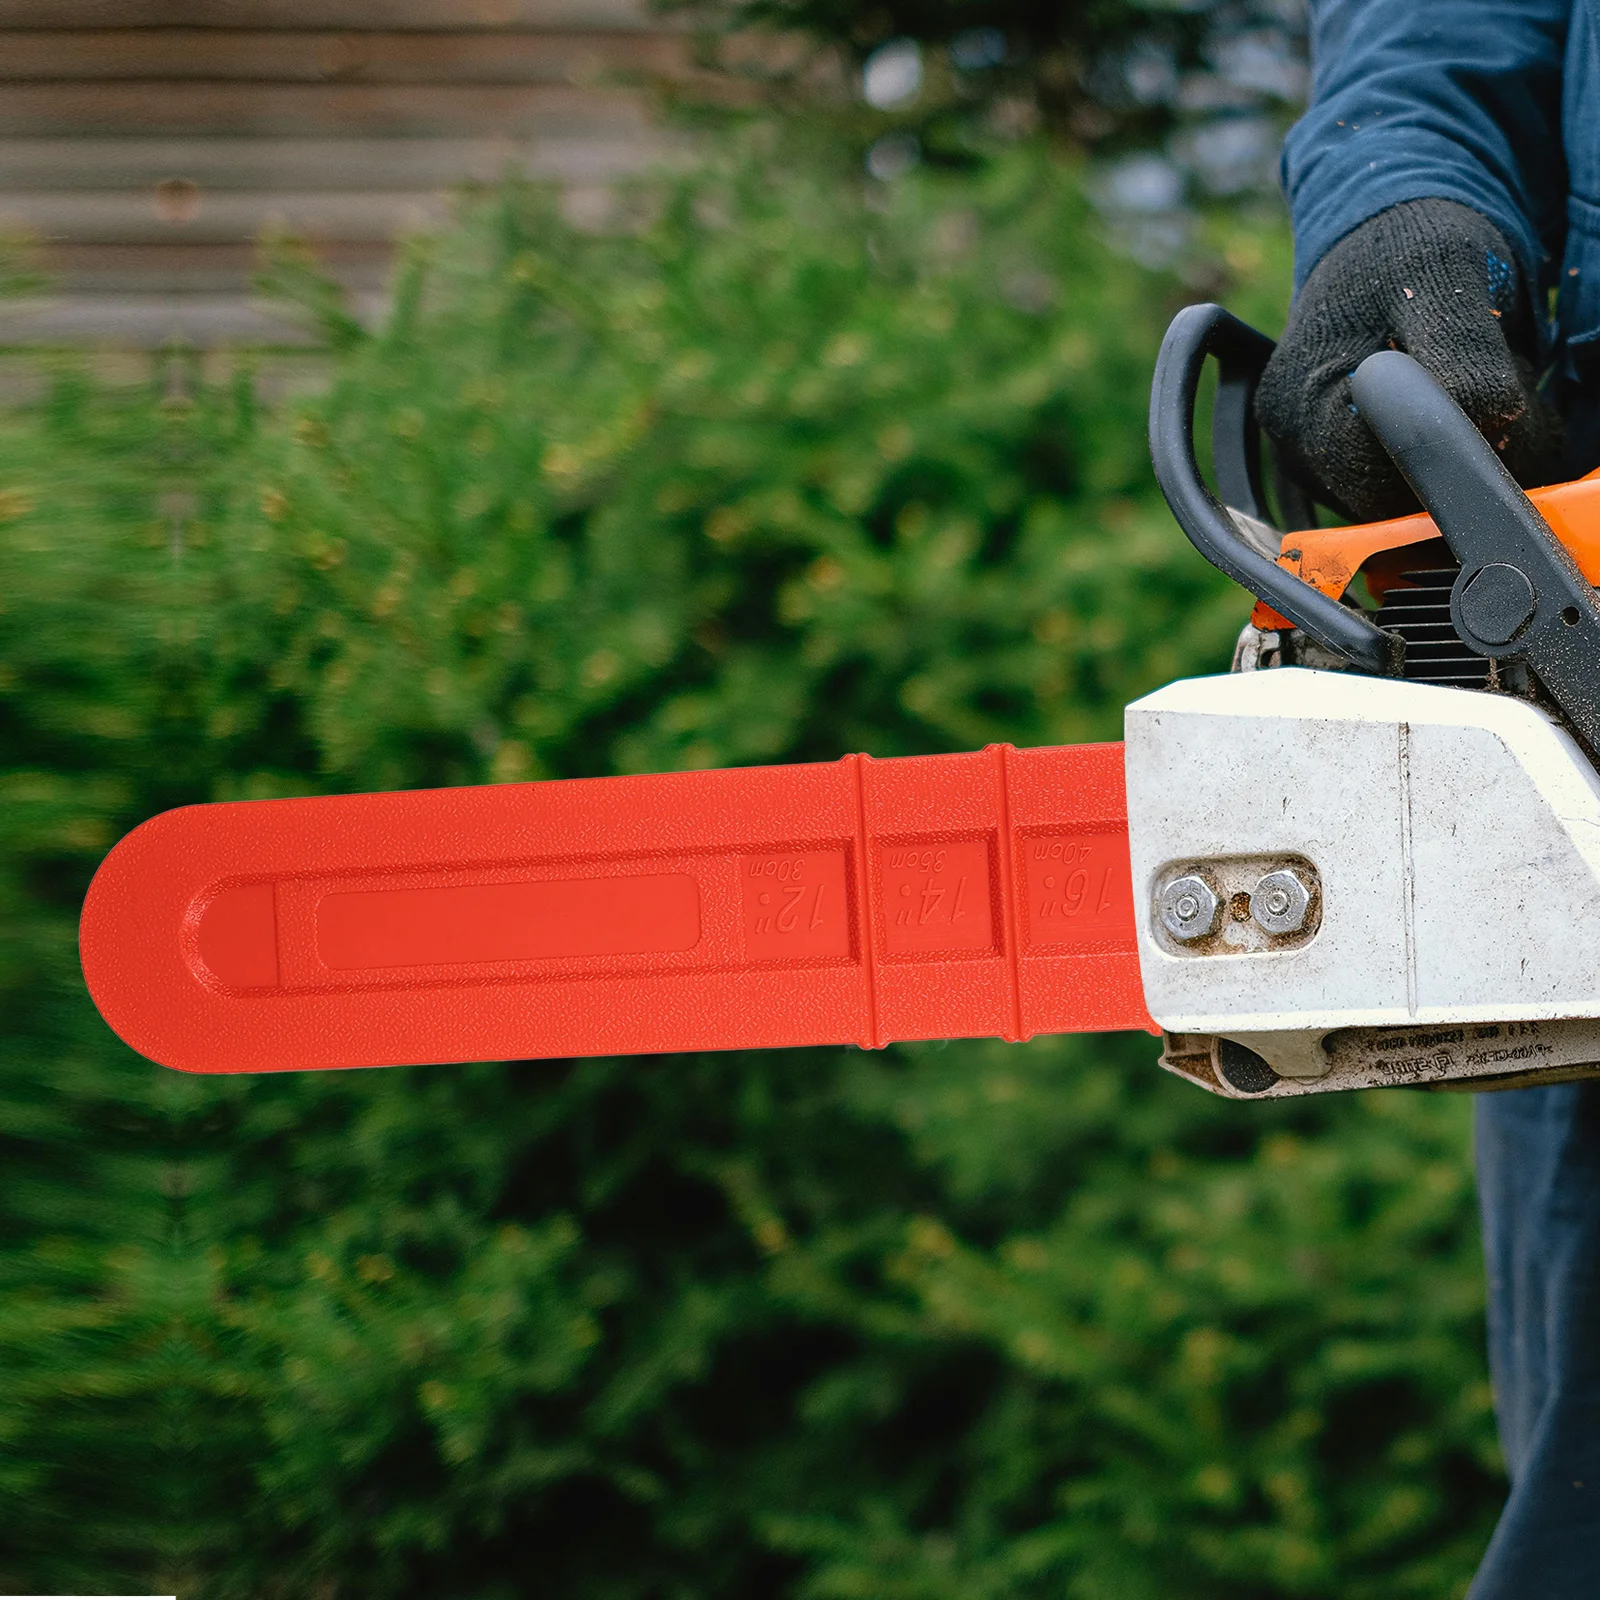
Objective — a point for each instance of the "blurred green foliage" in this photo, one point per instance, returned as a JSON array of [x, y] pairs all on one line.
[[786, 468]]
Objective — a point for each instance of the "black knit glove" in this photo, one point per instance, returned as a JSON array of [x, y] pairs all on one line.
[[1438, 281]]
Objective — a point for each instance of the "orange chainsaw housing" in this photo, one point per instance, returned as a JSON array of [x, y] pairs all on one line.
[[1329, 558], [858, 901]]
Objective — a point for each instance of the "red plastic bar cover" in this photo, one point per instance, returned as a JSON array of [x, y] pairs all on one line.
[[856, 901]]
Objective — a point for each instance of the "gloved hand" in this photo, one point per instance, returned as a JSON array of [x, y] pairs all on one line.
[[1438, 281]]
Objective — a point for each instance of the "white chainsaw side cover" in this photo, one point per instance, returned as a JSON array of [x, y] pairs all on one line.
[[1456, 834]]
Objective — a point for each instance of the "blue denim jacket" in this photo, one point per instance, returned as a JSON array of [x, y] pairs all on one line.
[[1493, 103]]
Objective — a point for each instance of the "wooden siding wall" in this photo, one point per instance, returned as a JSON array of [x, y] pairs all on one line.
[[145, 146]]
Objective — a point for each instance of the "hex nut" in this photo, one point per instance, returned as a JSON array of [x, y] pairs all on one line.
[[1281, 902], [1189, 908]]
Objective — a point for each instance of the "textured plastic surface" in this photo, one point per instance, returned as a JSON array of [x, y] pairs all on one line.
[[857, 901]]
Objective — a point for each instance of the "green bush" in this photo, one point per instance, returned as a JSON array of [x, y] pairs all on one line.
[[784, 469]]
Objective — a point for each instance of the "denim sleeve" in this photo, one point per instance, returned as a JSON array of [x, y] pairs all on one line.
[[1432, 99]]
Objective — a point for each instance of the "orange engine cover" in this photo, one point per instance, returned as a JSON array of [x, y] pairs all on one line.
[[1328, 558]]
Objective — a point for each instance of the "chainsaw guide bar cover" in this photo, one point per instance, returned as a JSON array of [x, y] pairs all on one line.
[[858, 901]]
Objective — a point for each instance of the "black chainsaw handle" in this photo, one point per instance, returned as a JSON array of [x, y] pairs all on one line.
[[1241, 354], [1519, 595]]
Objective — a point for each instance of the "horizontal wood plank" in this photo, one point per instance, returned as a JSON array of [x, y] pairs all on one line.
[[95, 163], [152, 321], [196, 217], [181, 54], [202, 268], [448, 16], [333, 109]]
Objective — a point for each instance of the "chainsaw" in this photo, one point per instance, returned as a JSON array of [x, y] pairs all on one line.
[[1368, 855]]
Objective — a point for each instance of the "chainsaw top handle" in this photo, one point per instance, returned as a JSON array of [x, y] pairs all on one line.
[[1520, 595], [1241, 354]]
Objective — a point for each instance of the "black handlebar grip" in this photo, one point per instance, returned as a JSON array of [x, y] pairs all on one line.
[[1519, 594], [1241, 353]]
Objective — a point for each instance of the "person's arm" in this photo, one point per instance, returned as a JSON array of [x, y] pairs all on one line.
[[1431, 99], [1427, 187]]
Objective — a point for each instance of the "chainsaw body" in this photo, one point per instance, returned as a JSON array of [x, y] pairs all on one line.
[[1448, 843], [1369, 856], [1424, 795]]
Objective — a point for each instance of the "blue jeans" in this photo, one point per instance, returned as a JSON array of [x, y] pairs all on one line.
[[1538, 1156]]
